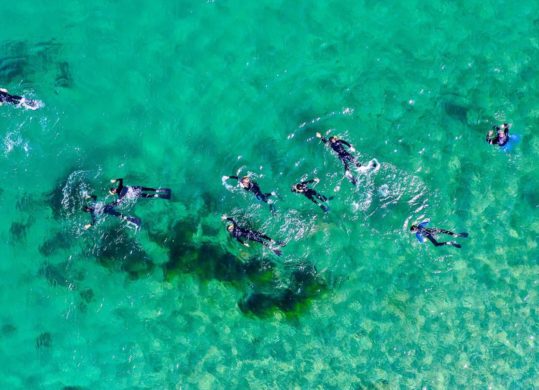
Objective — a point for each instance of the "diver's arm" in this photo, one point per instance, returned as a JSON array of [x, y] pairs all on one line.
[[424, 223], [491, 137], [92, 223], [120, 182], [241, 241], [324, 140]]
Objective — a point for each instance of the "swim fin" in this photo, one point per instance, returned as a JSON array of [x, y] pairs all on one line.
[[164, 193], [133, 222], [462, 235], [278, 252]]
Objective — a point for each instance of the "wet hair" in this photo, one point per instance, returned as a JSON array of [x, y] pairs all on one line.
[[113, 190], [230, 227], [413, 228], [86, 209], [298, 188], [333, 138]]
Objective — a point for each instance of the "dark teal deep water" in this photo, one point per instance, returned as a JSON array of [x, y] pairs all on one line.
[[178, 94]]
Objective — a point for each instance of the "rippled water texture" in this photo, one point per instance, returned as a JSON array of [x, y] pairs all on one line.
[[177, 94]]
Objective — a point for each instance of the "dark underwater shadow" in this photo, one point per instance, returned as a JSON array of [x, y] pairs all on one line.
[[21, 60], [273, 289]]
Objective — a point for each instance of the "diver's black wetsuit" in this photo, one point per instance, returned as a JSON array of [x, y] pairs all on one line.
[[240, 233], [10, 99], [429, 233], [344, 155], [255, 189], [315, 197], [495, 138], [141, 192], [96, 209], [6, 97]]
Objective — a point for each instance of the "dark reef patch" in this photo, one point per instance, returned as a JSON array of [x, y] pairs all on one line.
[[62, 274], [44, 340], [17, 231], [118, 250], [59, 241], [20, 60], [209, 261]]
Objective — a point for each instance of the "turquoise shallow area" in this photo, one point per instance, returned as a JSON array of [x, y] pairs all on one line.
[[178, 94]]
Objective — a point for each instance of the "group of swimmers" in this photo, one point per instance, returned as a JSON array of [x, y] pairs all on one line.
[[499, 135], [123, 193], [349, 161], [242, 234]]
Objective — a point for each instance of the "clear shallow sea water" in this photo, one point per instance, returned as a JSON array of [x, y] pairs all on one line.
[[178, 94]]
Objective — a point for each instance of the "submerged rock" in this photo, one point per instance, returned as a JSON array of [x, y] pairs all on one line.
[[44, 340]]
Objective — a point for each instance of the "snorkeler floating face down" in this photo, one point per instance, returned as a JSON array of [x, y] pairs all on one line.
[[245, 181]]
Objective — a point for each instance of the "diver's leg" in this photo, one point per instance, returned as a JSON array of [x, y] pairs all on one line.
[[349, 174], [452, 234], [436, 243]]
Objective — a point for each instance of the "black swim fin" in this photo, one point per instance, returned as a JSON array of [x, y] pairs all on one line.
[[462, 235], [134, 221], [324, 207], [164, 193], [277, 251], [455, 244]]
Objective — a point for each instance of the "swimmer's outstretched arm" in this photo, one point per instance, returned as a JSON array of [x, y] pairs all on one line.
[[89, 225], [489, 137], [230, 177], [323, 139], [241, 241], [352, 149], [227, 218], [315, 180]]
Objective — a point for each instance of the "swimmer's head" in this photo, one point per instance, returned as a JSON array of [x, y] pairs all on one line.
[[230, 227], [86, 209], [245, 180], [413, 228], [333, 139], [297, 188], [113, 191]]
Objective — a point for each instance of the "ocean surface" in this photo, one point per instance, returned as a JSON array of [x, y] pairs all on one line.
[[179, 93]]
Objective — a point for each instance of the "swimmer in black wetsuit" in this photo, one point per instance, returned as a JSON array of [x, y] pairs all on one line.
[[498, 135], [346, 157], [422, 232], [97, 209], [315, 197], [240, 233], [134, 192], [251, 186], [5, 97]]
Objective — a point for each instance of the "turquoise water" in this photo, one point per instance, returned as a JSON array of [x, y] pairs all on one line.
[[178, 94]]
